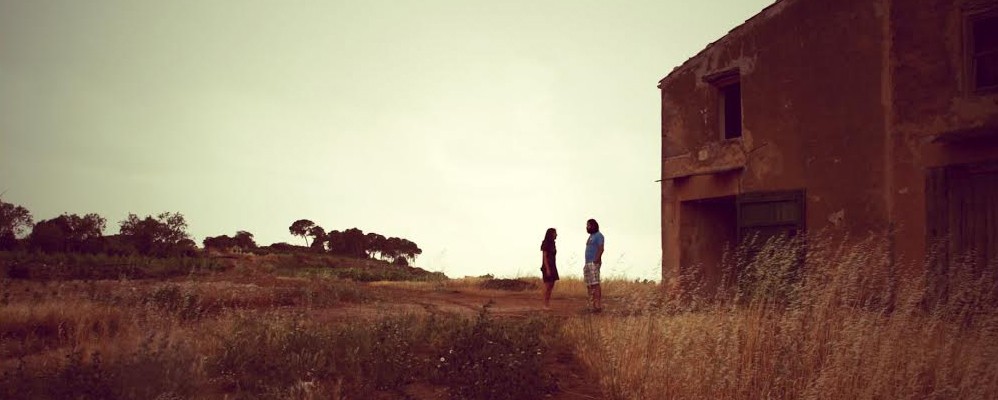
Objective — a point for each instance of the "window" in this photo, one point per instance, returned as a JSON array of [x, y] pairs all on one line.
[[731, 110], [982, 45], [730, 106]]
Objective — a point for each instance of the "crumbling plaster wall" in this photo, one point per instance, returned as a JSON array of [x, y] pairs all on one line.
[[813, 116]]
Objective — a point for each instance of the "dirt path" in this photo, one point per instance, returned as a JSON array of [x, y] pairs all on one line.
[[501, 302]]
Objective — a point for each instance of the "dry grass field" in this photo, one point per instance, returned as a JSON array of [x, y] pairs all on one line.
[[845, 323]]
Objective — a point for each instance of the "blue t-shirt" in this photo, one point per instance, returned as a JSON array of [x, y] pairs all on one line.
[[592, 246]]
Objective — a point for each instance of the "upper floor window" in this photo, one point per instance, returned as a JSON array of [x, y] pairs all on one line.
[[731, 110], [982, 45], [730, 105]]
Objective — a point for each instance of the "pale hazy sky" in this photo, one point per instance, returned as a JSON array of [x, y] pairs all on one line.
[[468, 127]]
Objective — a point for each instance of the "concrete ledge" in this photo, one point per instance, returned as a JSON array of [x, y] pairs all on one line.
[[711, 158]]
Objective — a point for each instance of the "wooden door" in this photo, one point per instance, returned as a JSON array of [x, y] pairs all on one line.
[[962, 214]]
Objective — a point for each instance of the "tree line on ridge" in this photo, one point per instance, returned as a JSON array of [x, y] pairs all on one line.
[[165, 235]]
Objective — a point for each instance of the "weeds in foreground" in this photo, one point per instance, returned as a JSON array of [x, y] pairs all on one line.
[[483, 358], [157, 369], [844, 323], [276, 355]]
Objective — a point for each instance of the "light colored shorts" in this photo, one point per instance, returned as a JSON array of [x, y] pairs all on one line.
[[591, 273]]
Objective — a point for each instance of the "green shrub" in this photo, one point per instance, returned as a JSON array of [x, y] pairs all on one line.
[[260, 357], [515, 285], [185, 303], [494, 359], [482, 358], [156, 370], [69, 266]]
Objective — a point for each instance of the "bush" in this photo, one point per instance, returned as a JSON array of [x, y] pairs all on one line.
[[156, 370], [481, 358], [494, 359], [259, 357], [185, 303], [70, 266], [515, 285]]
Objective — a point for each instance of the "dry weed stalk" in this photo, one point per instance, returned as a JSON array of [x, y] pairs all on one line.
[[843, 322]]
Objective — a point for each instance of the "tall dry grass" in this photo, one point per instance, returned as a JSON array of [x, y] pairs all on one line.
[[28, 329], [611, 287], [847, 322]]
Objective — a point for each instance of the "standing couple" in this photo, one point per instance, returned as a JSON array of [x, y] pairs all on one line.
[[594, 260]]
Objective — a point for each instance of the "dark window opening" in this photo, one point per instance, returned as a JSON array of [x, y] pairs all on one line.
[[729, 107], [731, 110], [983, 34]]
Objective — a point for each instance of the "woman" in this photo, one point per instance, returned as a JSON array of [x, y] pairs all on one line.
[[549, 270]]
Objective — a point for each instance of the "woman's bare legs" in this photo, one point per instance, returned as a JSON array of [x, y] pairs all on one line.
[[548, 287]]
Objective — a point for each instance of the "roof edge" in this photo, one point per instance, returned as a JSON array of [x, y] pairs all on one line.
[[711, 44]]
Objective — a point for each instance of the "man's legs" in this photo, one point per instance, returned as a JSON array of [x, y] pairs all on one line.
[[591, 273], [597, 297]]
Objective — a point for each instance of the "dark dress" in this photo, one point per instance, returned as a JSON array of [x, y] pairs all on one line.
[[552, 250]]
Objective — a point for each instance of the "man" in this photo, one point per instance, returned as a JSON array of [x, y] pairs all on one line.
[[594, 260]]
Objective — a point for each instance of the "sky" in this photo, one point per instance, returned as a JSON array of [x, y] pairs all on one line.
[[468, 127]]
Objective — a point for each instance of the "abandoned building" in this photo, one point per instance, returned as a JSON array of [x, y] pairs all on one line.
[[856, 116]]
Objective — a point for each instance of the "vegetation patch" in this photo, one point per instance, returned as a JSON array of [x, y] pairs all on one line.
[[515, 285], [156, 370], [73, 266], [482, 358], [847, 324]]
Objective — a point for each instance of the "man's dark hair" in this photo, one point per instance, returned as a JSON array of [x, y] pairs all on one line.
[[595, 225]]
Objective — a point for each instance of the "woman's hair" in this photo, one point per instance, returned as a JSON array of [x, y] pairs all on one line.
[[548, 238]]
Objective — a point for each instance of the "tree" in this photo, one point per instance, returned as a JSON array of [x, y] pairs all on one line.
[[49, 235], [376, 244], [393, 248], [335, 242], [14, 220], [186, 248], [160, 236], [355, 243], [245, 240], [220, 243], [318, 237], [83, 230], [69, 233], [408, 250], [283, 247], [301, 228], [116, 245]]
